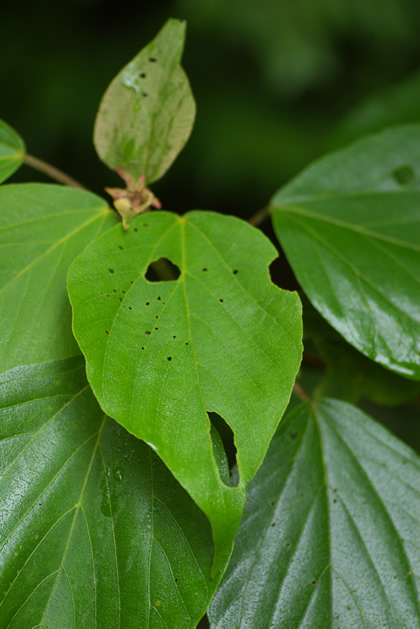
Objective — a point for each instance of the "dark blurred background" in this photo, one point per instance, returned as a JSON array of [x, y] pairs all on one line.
[[277, 84]]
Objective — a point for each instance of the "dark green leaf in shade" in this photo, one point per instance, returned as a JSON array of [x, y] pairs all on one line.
[[94, 530], [147, 112], [43, 228], [350, 227], [329, 535], [160, 355], [349, 375], [12, 151]]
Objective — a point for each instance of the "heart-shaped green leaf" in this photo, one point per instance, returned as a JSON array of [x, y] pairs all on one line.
[[12, 151], [161, 355], [350, 227], [329, 536], [42, 229], [147, 112], [94, 530]]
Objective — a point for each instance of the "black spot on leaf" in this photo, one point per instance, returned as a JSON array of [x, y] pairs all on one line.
[[403, 175], [106, 332], [135, 229], [147, 332], [152, 59], [111, 270], [294, 434], [235, 272], [169, 357], [142, 75]]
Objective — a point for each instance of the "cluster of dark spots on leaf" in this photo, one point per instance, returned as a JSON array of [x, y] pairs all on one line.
[[147, 332], [152, 59], [294, 434], [169, 358], [235, 271], [111, 270]]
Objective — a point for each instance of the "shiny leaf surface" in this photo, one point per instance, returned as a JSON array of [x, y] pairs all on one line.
[[94, 530], [350, 227], [148, 111], [329, 536], [12, 151], [161, 355], [42, 229]]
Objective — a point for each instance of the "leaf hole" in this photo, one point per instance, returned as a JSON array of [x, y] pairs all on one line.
[[228, 440], [403, 175], [162, 270]]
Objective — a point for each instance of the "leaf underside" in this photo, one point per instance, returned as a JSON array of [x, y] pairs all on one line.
[[329, 536], [147, 113], [94, 530], [161, 355], [12, 151], [350, 227]]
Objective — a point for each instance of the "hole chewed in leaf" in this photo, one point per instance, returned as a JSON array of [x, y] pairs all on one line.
[[162, 270], [222, 437], [403, 175]]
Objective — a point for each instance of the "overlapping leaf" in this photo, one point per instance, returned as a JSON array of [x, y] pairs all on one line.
[[329, 536], [148, 111], [161, 355], [12, 151], [94, 530], [350, 227], [42, 229]]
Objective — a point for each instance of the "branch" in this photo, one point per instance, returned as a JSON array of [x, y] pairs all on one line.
[[300, 393], [259, 217], [51, 171]]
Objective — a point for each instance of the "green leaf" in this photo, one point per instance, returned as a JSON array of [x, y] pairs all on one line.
[[348, 374], [12, 151], [329, 536], [42, 229], [161, 355], [95, 531], [147, 112], [350, 227]]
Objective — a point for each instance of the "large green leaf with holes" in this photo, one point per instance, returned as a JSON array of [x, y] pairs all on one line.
[[147, 112], [42, 229], [12, 150], [329, 536], [94, 530], [350, 227], [161, 355]]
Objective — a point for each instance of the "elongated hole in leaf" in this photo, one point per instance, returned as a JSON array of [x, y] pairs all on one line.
[[404, 175], [227, 437], [162, 270]]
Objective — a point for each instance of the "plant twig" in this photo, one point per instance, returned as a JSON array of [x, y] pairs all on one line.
[[300, 393], [51, 171], [259, 217]]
